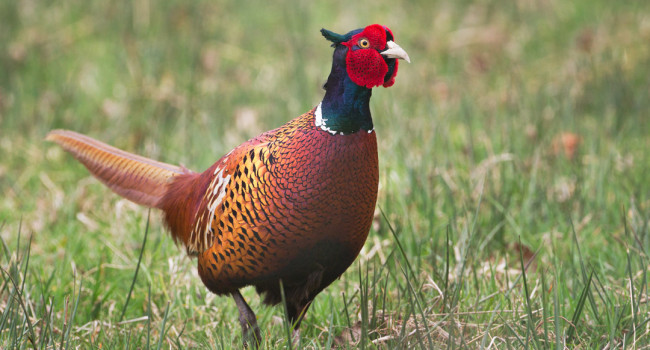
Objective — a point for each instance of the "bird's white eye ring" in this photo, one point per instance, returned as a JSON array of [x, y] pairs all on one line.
[[364, 43]]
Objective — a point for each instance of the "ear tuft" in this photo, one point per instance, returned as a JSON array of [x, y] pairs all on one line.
[[333, 37]]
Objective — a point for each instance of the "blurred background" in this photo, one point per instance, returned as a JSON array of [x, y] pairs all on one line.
[[520, 128]]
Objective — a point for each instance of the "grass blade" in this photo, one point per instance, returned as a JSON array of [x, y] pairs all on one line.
[[545, 310], [162, 327], [583, 270], [74, 312], [330, 328], [148, 315], [137, 268], [18, 296], [578, 311], [408, 276], [287, 324], [529, 309]]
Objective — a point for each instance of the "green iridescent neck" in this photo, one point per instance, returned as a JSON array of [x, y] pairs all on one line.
[[345, 109]]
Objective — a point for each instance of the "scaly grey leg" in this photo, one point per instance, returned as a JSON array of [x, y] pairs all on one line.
[[248, 322]]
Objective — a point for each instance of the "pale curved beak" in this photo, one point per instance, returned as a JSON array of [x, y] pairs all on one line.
[[395, 51]]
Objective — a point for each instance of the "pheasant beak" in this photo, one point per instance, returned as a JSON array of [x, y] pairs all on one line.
[[395, 51]]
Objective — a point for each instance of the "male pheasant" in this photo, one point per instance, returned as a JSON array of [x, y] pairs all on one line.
[[292, 207]]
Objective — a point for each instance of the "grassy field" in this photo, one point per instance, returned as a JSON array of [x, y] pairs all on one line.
[[514, 203]]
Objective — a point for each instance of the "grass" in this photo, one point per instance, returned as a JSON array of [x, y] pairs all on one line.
[[494, 227]]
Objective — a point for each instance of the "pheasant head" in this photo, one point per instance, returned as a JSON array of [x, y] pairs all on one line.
[[371, 55], [363, 59]]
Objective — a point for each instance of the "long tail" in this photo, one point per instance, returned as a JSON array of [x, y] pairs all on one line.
[[133, 177]]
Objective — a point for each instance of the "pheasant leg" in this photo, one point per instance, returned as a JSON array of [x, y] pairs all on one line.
[[248, 322]]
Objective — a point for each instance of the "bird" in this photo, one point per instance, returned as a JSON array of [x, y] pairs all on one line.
[[287, 211]]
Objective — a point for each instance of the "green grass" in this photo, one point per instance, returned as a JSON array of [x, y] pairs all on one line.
[[474, 184]]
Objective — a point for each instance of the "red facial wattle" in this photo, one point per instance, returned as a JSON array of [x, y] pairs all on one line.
[[391, 80], [366, 68]]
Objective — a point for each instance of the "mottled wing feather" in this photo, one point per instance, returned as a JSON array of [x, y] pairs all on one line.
[[214, 201], [237, 213]]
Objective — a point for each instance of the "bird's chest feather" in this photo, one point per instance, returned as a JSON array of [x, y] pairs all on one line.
[[328, 183]]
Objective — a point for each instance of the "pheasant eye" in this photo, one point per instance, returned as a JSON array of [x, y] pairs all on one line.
[[364, 43]]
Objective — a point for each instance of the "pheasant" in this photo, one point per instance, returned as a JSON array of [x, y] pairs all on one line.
[[290, 208]]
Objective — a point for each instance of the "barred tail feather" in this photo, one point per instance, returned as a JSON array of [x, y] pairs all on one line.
[[139, 179]]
